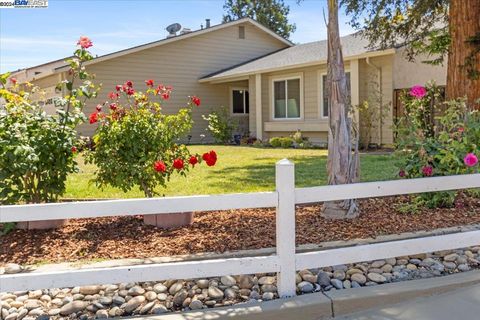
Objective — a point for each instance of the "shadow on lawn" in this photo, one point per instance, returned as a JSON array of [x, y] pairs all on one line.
[[309, 171]]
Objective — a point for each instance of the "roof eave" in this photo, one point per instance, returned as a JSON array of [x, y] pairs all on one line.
[[216, 79]]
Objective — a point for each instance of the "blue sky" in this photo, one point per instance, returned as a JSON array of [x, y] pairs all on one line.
[[33, 36]]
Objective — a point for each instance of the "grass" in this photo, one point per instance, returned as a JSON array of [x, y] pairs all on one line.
[[239, 169]]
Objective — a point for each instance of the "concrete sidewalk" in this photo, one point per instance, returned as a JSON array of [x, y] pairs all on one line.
[[461, 304]]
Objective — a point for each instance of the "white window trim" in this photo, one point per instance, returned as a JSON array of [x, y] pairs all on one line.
[[272, 95], [231, 102], [320, 75]]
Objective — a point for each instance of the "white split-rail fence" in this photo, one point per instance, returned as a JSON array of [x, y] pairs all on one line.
[[284, 262]]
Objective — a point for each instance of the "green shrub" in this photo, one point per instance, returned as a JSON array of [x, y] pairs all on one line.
[[437, 146], [281, 142], [136, 143], [220, 125], [37, 150]]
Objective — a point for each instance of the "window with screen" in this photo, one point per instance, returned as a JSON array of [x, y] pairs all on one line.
[[286, 99]]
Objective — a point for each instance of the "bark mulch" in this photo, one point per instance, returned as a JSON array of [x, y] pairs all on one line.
[[128, 237]]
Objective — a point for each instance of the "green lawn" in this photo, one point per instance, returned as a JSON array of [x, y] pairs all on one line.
[[239, 169]]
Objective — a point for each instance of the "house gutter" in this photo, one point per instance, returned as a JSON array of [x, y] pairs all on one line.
[[380, 80]]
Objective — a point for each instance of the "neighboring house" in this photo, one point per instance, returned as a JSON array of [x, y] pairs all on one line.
[[270, 85]]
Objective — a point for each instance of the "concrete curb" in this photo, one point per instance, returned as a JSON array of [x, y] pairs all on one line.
[[319, 306], [358, 299]]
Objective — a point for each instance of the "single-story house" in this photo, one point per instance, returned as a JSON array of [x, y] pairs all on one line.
[[272, 86]]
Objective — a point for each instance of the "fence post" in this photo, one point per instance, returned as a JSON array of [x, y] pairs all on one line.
[[285, 224]]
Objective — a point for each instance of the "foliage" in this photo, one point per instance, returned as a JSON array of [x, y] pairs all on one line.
[[221, 125], [421, 25], [446, 145], [281, 142], [136, 143], [393, 23], [301, 142], [37, 150], [270, 13]]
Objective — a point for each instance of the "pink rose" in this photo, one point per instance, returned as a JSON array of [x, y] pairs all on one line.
[[427, 171], [84, 42], [470, 160], [418, 91]]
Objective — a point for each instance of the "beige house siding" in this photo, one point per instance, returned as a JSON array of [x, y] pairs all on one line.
[[408, 74], [180, 64], [311, 119], [48, 85], [313, 125]]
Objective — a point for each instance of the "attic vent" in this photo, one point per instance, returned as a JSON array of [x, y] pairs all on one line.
[[241, 32]]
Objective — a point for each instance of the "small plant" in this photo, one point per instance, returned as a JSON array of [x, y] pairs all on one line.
[[372, 113], [281, 142], [220, 125], [136, 143], [446, 145], [301, 142], [37, 150]]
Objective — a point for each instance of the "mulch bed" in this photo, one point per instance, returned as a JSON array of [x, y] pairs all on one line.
[[128, 237]]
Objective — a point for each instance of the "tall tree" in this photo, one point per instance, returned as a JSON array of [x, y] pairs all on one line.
[[436, 28], [270, 13], [342, 164]]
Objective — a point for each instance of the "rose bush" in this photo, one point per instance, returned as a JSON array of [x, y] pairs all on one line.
[[37, 150], [437, 139], [136, 144]]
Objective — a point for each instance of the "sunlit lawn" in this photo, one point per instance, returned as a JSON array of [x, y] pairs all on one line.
[[239, 169]]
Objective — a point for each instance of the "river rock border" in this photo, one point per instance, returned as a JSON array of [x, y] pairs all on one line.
[[106, 301]]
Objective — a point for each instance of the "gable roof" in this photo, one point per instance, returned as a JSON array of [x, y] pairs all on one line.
[[185, 36], [163, 42], [297, 56]]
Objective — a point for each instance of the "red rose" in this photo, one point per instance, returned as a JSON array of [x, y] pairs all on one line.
[[93, 117], [99, 107], [196, 101], [210, 158], [159, 166], [165, 95], [113, 106], [129, 84], [118, 87], [128, 90], [113, 95], [13, 81], [178, 164], [84, 42], [402, 173], [193, 160], [74, 149], [149, 83]]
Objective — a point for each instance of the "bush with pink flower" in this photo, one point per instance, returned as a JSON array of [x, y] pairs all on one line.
[[437, 138], [136, 144], [37, 149]]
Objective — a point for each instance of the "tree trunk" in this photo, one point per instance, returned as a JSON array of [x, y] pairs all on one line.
[[463, 76], [342, 165]]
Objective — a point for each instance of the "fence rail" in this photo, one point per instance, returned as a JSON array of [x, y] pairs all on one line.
[[285, 262]]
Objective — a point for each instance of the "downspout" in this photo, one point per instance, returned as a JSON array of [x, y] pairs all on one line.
[[380, 81]]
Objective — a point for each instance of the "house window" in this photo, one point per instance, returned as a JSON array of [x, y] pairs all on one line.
[[241, 32], [324, 90], [240, 103], [286, 99]]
